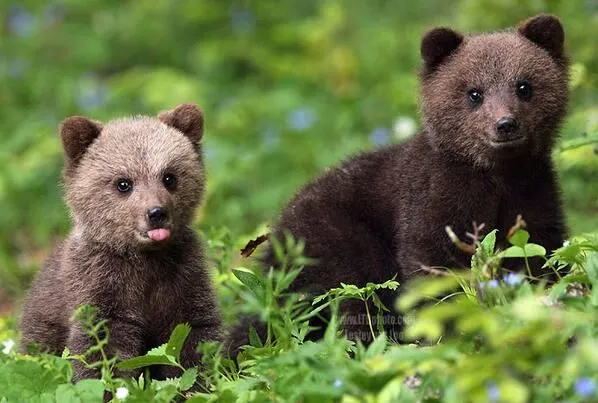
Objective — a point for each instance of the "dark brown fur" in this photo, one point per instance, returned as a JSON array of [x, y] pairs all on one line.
[[383, 213], [143, 288]]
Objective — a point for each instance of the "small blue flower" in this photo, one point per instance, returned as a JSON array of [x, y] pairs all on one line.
[[17, 68], [270, 137], [512, 279], [242, 19], [493, 392], [20, 21], [210, 152], [302, 119], [337, 383], [53, 13], [585, 387], [379, 136], [91, 98], [92, 93], [492, 283]]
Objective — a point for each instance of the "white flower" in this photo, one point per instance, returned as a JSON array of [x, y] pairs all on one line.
[[8, 346], [122, 393], [404, 127], [566, 243]]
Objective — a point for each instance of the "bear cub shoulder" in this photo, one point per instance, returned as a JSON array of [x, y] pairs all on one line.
[[132, 187]]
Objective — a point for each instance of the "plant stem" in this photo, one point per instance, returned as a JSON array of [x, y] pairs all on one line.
[[529, 270], [367, 311]]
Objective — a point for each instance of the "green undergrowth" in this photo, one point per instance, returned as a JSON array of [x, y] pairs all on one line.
[[490, 337]]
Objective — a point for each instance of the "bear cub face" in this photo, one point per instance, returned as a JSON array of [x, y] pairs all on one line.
[[503, 93], [134, 183]]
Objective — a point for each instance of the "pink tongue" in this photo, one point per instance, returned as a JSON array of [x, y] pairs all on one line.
[[159, 234]]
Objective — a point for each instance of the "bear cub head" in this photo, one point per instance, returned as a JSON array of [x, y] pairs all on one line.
[[492, 98], [134, 183]]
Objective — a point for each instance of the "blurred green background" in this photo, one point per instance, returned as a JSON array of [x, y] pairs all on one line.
[[288, 88]]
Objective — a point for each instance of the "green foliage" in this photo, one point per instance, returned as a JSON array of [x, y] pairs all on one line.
[[167, 354], [366, 294], [496, 337], [287, 87], [292, 87]]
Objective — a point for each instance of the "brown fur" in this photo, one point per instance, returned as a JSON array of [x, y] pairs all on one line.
[[143, 288], [383, 213]]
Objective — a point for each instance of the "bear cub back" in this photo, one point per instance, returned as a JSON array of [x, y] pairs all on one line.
[[491, 107], [132, 187]]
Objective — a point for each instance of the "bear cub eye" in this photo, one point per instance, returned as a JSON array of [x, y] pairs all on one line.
[[169, 181], [124, 185], [475, 97], [524, 90]]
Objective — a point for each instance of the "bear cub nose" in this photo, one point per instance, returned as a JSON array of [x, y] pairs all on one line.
[[506, 127], [157, 216]]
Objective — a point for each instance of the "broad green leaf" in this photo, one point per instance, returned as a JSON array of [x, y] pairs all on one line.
[[532, 250], [177, 340], [591, 268], [513, 252], [489, 242], [188, 379], [249, 279], [514, 391], [484, 250], [31, 381], [146, 360], [528, 250], [519, 238], [87, 390]]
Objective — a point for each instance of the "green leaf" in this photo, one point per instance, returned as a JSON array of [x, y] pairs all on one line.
[[484, 251], [249, 279], [528, 250], [145, 361], [32, 381], [254, 339], [188, 379], [519, 238], [513, 251], [177, 340], [426, 288], [489, 242], [591, 268], [377, 347], [87, 390], [532, 249]]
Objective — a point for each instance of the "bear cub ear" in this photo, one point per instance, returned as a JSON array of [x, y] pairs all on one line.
[[436, 45], [547, 32], [187, 118], [77, 133]]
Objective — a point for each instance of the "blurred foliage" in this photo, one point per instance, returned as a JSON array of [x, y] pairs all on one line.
[[492, 337], [288, 88]]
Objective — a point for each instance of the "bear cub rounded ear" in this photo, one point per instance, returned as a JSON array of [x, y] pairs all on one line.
[[77, 133], [436, 45], [547, 32], [187, 118]]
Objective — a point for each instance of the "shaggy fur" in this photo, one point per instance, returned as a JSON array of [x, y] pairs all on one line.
[[143, 287], [383, 213]]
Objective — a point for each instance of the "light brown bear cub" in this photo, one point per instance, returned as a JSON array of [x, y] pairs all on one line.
[[132, 187]]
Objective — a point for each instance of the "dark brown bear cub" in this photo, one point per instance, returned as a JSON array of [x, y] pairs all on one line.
[[492, 105], [132, 187]]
